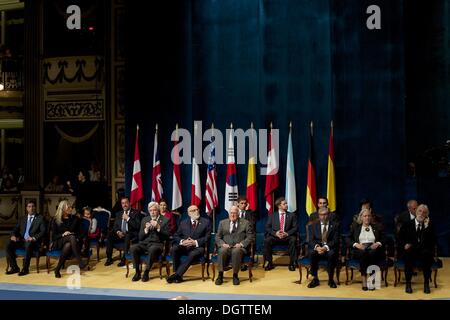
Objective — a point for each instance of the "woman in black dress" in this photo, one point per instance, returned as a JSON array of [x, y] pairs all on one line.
[[65, 236]]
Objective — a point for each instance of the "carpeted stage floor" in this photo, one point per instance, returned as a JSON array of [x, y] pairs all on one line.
[[110, 283]]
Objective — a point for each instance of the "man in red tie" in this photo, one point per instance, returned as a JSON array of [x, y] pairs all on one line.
[[281, 229], [191, 240]]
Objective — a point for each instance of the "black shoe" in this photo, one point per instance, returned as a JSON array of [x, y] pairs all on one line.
[[332, 284], [408, 288], [171, 278], [83, 265], [291, 267], [24, 272], [145, 277], [136, 277], [269, 266], [244, 268], [314, 283], [12, 271], [426, 288], [57, 274], [121, 263], [219, 281], [108, 262], [365, 288], [178, 279], [236, 281]]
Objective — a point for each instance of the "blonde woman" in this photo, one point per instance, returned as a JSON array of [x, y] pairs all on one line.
[[366, 241], [65, 230]]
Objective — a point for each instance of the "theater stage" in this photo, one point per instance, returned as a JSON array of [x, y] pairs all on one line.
[[110, 283]]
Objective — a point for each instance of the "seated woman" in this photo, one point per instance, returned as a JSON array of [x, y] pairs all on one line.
[[65, 236], [168, 214], [366, 241]]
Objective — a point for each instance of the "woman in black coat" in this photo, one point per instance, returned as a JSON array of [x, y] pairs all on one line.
[[366, 240], [65, 231]]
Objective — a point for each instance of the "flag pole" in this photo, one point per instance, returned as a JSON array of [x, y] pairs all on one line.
[[273, 195], [176, 134], [214, 209], [312, 128]]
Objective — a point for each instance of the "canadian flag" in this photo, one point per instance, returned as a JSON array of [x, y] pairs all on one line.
[[137, 192], [196, 192]]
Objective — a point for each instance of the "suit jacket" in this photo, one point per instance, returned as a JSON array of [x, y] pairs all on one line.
[[356, 231], [244, 233], [134, 223], [202, 232], [401, 219], [71, 224], [273, 224], [408, 234], [153, 235], [251, 217], [315, 235], [37, 230]]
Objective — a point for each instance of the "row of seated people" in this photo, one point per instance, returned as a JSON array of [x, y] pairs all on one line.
[[233, 239]]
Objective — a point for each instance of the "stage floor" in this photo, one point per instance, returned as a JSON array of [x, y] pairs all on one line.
[[110, 283]]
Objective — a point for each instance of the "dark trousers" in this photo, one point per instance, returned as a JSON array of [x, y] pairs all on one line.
[[291, 241], [113, 239], [331, 256], [192, 254], [236, 255], [11, 248], [424, 257], [153, 250], [367, 258]]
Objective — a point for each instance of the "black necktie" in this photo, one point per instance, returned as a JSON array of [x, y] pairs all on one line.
[[233, 229], [419, 232]]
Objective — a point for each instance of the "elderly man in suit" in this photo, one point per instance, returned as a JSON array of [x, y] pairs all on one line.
[[152, 235], [189, 240], [28, 234], [323, 244], [281, 228], [417, 240], [233, 238], [126, 229], [406, 216]]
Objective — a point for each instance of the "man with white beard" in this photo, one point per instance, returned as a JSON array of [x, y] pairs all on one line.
[[189, 240]]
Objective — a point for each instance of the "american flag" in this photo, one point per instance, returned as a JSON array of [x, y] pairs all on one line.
[[211, 183]]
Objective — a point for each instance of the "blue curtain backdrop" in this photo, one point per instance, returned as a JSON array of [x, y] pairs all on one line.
[[275, 61]]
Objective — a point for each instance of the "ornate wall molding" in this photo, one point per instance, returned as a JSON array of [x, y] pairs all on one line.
[[65, 70], [74, 110]]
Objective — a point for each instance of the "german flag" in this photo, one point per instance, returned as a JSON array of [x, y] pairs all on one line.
[[311, 197], [331, 183]]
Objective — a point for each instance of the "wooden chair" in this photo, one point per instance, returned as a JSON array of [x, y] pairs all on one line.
[[144, 258], [246, 260]]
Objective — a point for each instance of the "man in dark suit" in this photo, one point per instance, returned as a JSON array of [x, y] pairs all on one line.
[[189, 240], [281, 229], [406, 216], [153, 233], [126, 228], [244, 213], [28, 234], [417, 240], [322, 202], [323, 244], [233, 238]]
